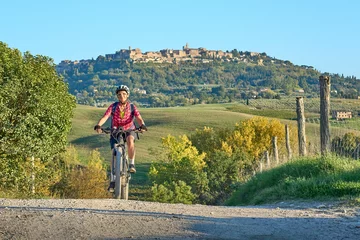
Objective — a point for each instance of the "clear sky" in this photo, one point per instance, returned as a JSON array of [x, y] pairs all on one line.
[[318, 33]]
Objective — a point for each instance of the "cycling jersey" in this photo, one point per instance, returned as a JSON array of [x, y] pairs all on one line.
[[126, 122]]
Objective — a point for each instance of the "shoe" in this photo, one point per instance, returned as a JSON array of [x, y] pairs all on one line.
[[111, 187], [132, 168]]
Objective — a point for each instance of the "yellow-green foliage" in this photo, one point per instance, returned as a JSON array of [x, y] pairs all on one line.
[[61, 177], [179, 153], [214, 160], [205, 139], [254, 136], [89, 181], [182, 162], [79, 181], [27, 177], [175, 192], [178, 150]]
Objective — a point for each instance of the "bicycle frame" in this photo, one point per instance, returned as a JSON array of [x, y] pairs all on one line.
[[119, 165], [120, 174]]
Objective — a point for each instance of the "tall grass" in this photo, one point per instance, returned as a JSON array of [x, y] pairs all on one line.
[[305, 178]]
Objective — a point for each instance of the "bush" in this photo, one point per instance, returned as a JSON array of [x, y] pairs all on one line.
[[175, 192]]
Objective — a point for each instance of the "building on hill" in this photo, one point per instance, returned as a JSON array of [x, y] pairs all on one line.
[[187, 54], [341, 114]]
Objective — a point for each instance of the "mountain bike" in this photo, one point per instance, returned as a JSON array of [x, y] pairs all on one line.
[[120, 173]]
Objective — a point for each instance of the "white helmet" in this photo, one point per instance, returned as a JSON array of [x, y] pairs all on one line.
[[123, 88]]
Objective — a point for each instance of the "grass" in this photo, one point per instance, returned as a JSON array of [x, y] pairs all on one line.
[[306, 178]]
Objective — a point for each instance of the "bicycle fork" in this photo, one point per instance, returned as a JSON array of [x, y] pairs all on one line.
[[124, 167]]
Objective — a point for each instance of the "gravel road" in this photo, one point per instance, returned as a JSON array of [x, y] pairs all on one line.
[[120, 219]]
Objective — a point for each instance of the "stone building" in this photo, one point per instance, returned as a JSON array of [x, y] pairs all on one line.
[[341, 115]]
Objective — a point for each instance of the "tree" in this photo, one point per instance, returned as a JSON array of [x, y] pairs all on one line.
[[235, 53], [223, 165], [181, 166], [254, 136], [36, 108]]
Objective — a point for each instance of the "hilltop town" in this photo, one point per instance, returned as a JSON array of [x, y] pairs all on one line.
[[187, 54]]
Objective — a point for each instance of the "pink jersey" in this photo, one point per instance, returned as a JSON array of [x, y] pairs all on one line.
[[127, 121]]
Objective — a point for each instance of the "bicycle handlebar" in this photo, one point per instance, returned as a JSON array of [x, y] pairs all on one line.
[[120, 130]]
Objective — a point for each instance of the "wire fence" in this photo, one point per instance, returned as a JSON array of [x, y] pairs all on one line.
[[344, 123]]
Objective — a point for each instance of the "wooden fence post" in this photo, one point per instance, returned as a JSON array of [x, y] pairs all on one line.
[[287, 136], [267, 158], [275, 150], [301, 125], [324, 114]]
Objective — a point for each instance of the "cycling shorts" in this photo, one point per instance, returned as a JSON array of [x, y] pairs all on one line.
[[113, 141]]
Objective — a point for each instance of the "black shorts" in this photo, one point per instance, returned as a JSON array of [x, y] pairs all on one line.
[[113, 141]]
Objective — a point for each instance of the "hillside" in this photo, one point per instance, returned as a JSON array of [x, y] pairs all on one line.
[[199, 78]]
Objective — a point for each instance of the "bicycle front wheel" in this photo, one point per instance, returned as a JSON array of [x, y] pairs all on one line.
[[125, 178], [125, 189], [118, 175]]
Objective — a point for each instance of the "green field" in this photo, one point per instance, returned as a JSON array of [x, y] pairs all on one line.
[[177, 121]]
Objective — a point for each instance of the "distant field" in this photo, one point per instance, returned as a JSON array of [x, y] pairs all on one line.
[[185, 120]]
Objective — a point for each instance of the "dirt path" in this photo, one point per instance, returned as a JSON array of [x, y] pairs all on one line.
[[119, 219]]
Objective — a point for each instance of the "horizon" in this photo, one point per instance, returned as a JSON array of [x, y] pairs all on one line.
[[320, 34]]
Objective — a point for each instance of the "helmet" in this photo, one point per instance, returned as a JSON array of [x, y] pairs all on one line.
[[123, 88]]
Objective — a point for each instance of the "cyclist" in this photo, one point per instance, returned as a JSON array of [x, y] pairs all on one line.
[[122, 113]]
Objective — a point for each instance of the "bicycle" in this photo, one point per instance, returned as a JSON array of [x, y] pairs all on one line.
[[120, 173]]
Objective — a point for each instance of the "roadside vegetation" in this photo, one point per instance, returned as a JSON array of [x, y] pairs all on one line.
[[310, 178]]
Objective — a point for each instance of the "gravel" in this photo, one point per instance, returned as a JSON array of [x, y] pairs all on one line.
[[121, 219]]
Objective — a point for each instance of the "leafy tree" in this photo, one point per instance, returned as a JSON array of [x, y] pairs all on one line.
[[253, 137], [182, 162], [223, 165], [36, 108], [235, 53]]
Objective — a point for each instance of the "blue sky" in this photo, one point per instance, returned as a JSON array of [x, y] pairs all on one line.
[[322, 34]]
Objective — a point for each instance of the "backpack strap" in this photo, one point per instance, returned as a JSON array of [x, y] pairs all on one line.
[[113, 111], [114, 108], [132, 110], [132, 116]]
